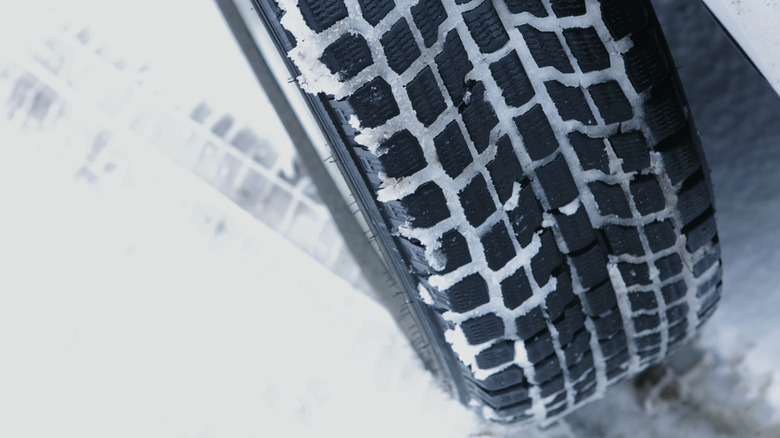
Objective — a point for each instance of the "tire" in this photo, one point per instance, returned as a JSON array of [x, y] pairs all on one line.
[[533, 179]]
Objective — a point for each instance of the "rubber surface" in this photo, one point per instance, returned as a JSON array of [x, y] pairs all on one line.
[[536, 168]]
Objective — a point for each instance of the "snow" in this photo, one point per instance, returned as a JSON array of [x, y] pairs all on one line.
[[146, 304]]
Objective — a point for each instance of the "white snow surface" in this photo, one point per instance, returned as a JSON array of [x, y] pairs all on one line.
[[149, 305]]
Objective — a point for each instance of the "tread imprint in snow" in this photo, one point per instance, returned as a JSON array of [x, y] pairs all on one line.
[[511, 203]]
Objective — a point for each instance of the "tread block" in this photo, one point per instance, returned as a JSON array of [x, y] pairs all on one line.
[[643, 323], [452, 150], [547, 259], [375, 10], [635, 273], [614, 345], [669, 266], [677, 313], [647, 193], [586, 381], [648, 341], [479, 118], [623, 240], [632, 150], [642, 301], [453, 64], [527, 217], [496, 355], [674, 292], [534, 7], [455, 249], [399, 46], [498, 246], [546, 49], [608, 325], [511, 77], [511, 376], [599, 300], [426, 206], [611, 199], [587, 48], [553, 386], [322, 14], [646, 62], [347, 56], [570, 102], [506, 396], [557, 182], [590, 265], [611, 102], [576, 229], [617, 364], [428, 15], [547, 368], [404, 155], [486, 27], [585, 394], [660, 235], [700, 231], [531, 324], [374, 103], [584, 365], [591, 151], [624, 17], [711, 258], [573, 321], [664, 111], [680, 157], [425, 96], [415, 253], [568, 8], [483, 328], [562, 297], [538, 137], [516, 289], [476, 201], [504, 169], [468, 294], [539, 347], [576, 350], [694, 198]]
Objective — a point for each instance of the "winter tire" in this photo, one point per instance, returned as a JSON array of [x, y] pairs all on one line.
[[533, 179]]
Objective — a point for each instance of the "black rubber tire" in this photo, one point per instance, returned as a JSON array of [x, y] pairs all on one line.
[[533, 177]]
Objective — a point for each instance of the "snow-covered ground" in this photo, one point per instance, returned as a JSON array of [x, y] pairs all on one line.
[[140, 295]]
